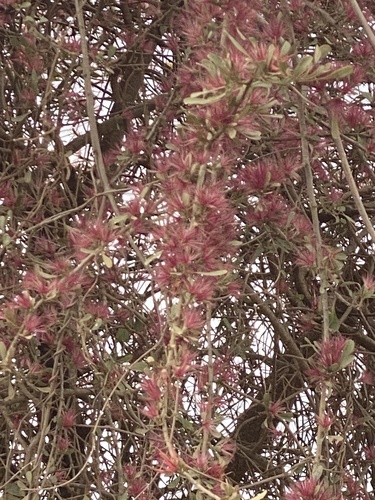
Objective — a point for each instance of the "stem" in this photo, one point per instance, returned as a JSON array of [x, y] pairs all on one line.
[[200, 487], [94, 134], [349, 177], [363, 21], [210, 368], [323, 295]]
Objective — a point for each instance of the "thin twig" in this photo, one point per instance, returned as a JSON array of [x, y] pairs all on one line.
[[363, 21], [94, 134], [323, 295], [335, 131]]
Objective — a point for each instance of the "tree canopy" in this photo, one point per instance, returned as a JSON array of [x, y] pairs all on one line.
[[187, 283]]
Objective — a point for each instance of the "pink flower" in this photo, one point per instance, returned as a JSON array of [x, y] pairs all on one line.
[[185, 363], [275, 29], [69, 418], [354, 487], [215, 470], [24, 301], [151, 389], [63, 443], [98, 310], [310, 489], [370, 453], [34, 323], [276, 408], [369, 283], [356, 117], [32, 281], [193, 319], [169, 463], [326, 421], [202, 288], [367, 377], [135, 142], [305, 258], [331, 351]]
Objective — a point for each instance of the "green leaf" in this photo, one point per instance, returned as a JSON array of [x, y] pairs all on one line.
[[141, 431], [231, 132], [6, 239], [255, 135], [139, 367], [173, 484], [321, 51], [12, 491], [346, 361], [334, 323], [111, 51], [45, 390], [266, 399], [260, 496], [123, 335], [20, 118], [217, 61], [3, 351], [285, 48], [186, 424], [117, 219], [286, 415], [11, 392], [203, 100], [236, 44], [28, 19], [303, 67], [317, 471], [27, 176], [152, 257], [171, 146], [218, 272], [340, 73], [349, 348], [107, 261]]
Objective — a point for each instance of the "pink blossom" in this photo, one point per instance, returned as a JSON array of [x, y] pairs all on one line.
[[98, 310], [185, 363], [310, 489], [193, 319], [370, 453], [135, 142], [33, 281], [305, 258], [202, 288], [34, 323], [69, 418], [63, 443], [24, 301], [169, 462], [276, 408], [369, 283], [151, 389], [367, 377], [356, 117], [363, 49], [275, 29], [78, 358], [215, 470], [354, 488], [331, 351], [326, 421]]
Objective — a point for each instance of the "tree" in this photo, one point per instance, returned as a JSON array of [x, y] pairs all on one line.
[[187, 258]]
